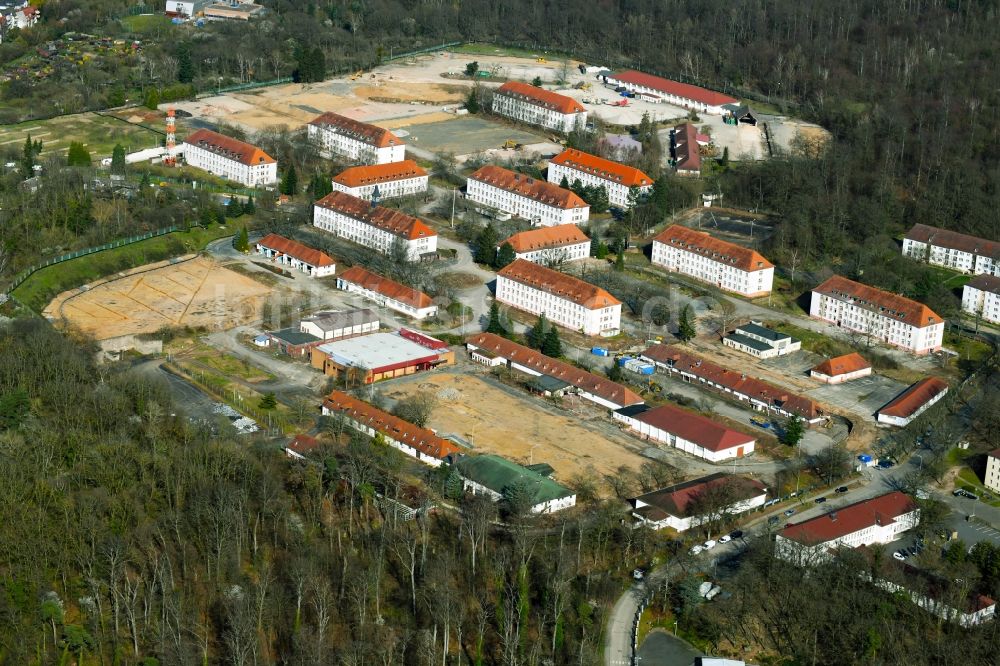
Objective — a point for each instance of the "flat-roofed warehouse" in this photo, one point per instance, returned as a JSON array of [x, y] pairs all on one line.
[[381, 356]]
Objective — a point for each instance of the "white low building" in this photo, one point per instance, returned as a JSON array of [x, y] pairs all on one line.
[[992, 478], [761, 341], [693, 503], [617, 179], [230, 158], [341, 324], [672, 92], [913, 402], [387, 293], [375, 227], [296, 256], [959, 252], [728, 266], [536, 106], [550, 246], [841, 369], [981, 298], [393, 180], [541, 203], [685, 431], [564, 300], [334, 134], [499, 478], [877, 315]]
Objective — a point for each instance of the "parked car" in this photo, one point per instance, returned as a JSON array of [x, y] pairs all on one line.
[[725, 538], [789, 512], [736, 534], [899, 555], [820, 500], [841, 489], [696, 550], [885, 463], [773, 520], [708, 545]]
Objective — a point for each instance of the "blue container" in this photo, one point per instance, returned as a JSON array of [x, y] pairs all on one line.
[[598, 351]]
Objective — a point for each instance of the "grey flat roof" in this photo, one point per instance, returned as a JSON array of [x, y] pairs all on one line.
[[343, 318], [293, 336], [375, 350], [762, 331], [749, 342], [546, 383]]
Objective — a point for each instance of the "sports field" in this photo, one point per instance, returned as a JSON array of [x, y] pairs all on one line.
[[98, 133]]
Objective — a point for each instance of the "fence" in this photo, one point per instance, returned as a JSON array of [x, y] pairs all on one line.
[[249, 86], [429, 49]]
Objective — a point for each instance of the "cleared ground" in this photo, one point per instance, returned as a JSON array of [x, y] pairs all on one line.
[[197, 292], [98, 133], [499, 420], [466, 135]]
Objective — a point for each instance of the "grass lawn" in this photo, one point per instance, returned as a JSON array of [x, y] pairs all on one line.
[[968, 349], [235, 367], [146, 23], [812, 340], [46, 283], [98, 133]]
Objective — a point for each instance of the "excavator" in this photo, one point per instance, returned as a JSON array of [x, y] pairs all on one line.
[[510, 144]]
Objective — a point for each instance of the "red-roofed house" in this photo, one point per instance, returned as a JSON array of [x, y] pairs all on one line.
[[681, 506], [956, 251], [387, 293], [540, 202], [877, 520], [296, 255], [685, 149], [878, 314], [550, 246], [913, 402], [841, 369], [592, 171], [673, 92], [537, 106], [335, 134], [687, 431], [395, 179], [230, 158], [377, 227], [728, 266], [301, 446], [992, 478]]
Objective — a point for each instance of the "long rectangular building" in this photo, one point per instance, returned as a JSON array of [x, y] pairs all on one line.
[[683, 505], [492, 476], [877, 314], [953, 250], [981, 298], [541, 203], [685, 430], [229, 158], [377, 356], [593, 171], [550, 246], [395, 179], [537, 106], [563, 299], [375, 227], [913, 402], [673, 92], [728, 266], [387, 293], [287, 252], [334, 134]]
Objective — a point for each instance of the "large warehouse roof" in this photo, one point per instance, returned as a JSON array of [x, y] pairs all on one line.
[[376, 351]]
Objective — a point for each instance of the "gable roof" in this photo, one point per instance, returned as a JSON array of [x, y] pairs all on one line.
[[296, 250], [533, 188], [842, 365], [700, 242], [881, 510], [365, 279], [530, 358], [499, 474], [602, 168], [303, 444], [886, 303], [359, 176], [686, 149], [736, 382], [228, 147], [387, 219], [985, 282], [544, 238], [679, 499], [936, 236], [915, 397], [540, 97], [683, 90], [421, 439], [364, 132], [562, 285], [338, 319], [704, 432]]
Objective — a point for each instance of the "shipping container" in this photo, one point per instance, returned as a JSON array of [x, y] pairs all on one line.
[[598, 351]]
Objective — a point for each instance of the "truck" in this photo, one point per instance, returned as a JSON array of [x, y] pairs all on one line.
[[598, 351]]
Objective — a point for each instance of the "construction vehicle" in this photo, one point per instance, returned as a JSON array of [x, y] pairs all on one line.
[[356, 75], [510, 144], [541, 61]]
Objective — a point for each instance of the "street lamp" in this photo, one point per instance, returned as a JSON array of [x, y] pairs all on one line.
[[675, 628]]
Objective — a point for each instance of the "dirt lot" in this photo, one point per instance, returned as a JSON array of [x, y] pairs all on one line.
[[520, 427], [467, 135], [196, 292]]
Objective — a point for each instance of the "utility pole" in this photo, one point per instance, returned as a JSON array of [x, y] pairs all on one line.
[[454, 194]]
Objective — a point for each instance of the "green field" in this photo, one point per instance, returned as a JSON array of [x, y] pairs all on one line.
[[514, 52], [146, 24], [45, 284], [98, 133]]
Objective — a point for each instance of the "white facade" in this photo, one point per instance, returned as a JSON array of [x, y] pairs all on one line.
[[387, 301], [806, 554], [381, 240], [953, 258], [296, 263], [332, 140], [845, 314], [360, 328], [533, 113], [672, 440], [901, 421], [391, 189], [992, 478], [673, 92], [551, 506], [841, 378], [604, 321], [538, 213], [751, 283], [553, 256], [399, 446], [982, 303], [617, 192], [250, 175], [682, 523]]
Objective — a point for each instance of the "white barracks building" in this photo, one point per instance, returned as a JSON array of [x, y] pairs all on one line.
[[565, 300], [953, 250], [550, 246], [541, 203], [981, 298], [536, 106], [335, 134], [728, 266], [229, 158], [395, 179], [878, 314], [375, 227], [593, 171]]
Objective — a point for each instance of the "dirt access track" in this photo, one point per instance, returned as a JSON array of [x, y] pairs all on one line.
[[194, 292], [497, 420]]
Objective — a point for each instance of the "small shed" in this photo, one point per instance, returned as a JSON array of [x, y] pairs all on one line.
[[262, 340]]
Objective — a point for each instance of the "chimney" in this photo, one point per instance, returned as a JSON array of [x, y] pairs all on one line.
[[833, 516]]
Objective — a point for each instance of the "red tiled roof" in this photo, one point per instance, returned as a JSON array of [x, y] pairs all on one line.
[[995, 453], [547, 237], [602, 168], [985, 282], [375, 174], [562, 285], [677, 500], [686, 147], [715, 249], [365, 132], [915, 397], [533, 188], [540, 97], [594, 384], [695, 428], [881, 510], [303, 444], [296, 250], [393, 427], [386, 219], [734, 381], [228, 147], [886, 303], [684, 90], [936, 236], [842, 365], [389, 288]]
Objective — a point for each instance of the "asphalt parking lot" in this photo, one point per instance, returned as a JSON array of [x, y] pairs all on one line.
[[870, 393]]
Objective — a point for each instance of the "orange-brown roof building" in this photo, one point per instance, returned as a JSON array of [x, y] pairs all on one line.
[[295, 254], [551, 245], [913, 402], [541, 202], [394, 179], [229, 158], [841, 369], [335, 134], [593, 171], [386, 292], [726, 265], [373, 226], [537, 106]]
